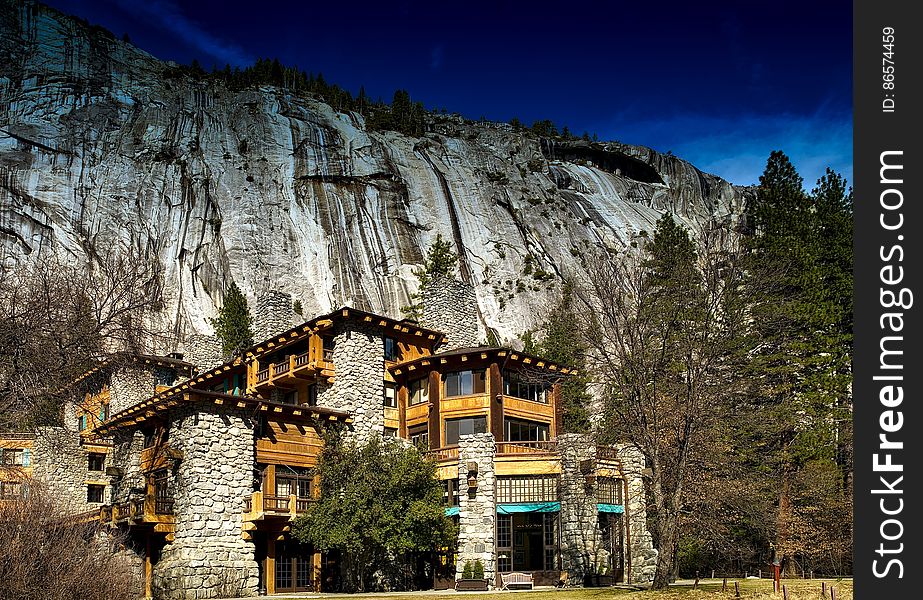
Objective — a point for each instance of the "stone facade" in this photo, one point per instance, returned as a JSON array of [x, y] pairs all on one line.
[[451, 306], [204, 352], [477, 515], [643, 555], [359, 358], [129, 385], [273, 314], [61, 464], [581, 549], [126, 458], [208, 557]]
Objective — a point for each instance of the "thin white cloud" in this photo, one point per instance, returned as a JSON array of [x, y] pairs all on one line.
[[169, 17]]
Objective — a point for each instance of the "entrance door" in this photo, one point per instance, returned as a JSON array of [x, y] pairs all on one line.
[[612, 529], [293, 567]]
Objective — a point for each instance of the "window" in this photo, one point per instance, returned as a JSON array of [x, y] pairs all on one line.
[[164, 377], [505, 543], [455, 428], [294, 481], [95, 493], [392, 351], [290, 397], [418, 391], [328, 344], [103, 411], [390, 399], [521, 385], [150, 438], [609, 490], [312, 395], [12, 489], [96, 461], [450, 492], [16, 457], [527, 488], [419, 436], [525, 431], [81, 422], [464, 383], [389, 432]]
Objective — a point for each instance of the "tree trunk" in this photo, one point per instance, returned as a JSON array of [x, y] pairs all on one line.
[[667, 531]]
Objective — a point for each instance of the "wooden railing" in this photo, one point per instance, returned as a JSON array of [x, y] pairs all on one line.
[[163, 506], [328, 354], [606, 453], [276, 503], [441, 454], [302, 359], [279, 505], [545, 447], [280, 368], [263, 375]]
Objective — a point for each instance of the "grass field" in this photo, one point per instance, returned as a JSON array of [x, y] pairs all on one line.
[[709, 589]]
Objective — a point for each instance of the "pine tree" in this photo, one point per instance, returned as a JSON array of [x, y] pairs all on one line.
[[233, 326], [562, 345], [440, 261]]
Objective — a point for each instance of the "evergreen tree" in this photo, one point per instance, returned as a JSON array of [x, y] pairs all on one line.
[[440, 261], [563, 345], [233, 326]]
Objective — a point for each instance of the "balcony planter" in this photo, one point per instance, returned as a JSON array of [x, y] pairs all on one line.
[[471, 585]]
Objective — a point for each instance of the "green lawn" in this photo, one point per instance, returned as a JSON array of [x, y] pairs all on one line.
[[709, 589]]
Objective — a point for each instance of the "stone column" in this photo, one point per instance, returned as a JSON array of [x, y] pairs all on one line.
[[451, 306], [208, 557], [359, 359], [477, 511], [126, 457], [581, 551], [204, 352], [272, 315], [643, 556]]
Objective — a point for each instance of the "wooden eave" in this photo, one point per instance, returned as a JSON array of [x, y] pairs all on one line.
[[483, 353], [323, 322]]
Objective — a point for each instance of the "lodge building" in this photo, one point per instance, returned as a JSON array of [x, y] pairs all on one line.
[[203, 464]]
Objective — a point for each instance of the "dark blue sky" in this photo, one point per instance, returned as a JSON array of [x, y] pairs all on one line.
[[718, 83]]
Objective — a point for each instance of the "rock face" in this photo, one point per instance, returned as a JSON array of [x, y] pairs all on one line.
[[105, 148]]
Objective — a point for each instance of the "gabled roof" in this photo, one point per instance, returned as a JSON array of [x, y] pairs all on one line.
[[124, 358], [344, 313], [482, 352]]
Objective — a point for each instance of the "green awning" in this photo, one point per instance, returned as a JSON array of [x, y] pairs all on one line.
[[610, 508], [528, 507], [451, 511]]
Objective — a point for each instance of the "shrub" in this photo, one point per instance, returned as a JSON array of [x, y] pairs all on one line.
[[478, 570], [468, 571]]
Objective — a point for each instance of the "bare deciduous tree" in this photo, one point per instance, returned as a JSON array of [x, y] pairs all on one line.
[[665, 328]]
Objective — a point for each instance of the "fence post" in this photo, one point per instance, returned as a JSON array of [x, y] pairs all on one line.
[[823, 589], [784, 593], [724, 585], [736, 590]]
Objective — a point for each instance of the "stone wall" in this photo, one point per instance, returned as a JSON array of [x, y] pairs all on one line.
[[581, 543], [203, 351], [643, 555], [129, 385], [477, 514], [272, 315], [126, 457], [451, 306], [60, 463], [358, 358], [208, 557]]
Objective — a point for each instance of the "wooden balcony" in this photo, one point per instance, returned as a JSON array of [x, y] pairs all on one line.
[[448, 453], [295, 367], [545, 447], [259, 506], [148, 511]]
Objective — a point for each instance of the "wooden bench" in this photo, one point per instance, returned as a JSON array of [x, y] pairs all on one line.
[[517, 579]]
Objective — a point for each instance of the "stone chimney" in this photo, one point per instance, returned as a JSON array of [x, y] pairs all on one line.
[[450, 306], [204, 352], [272, 315]]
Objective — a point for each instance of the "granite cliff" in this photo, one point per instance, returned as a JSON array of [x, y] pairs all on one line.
[[103, 146]]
